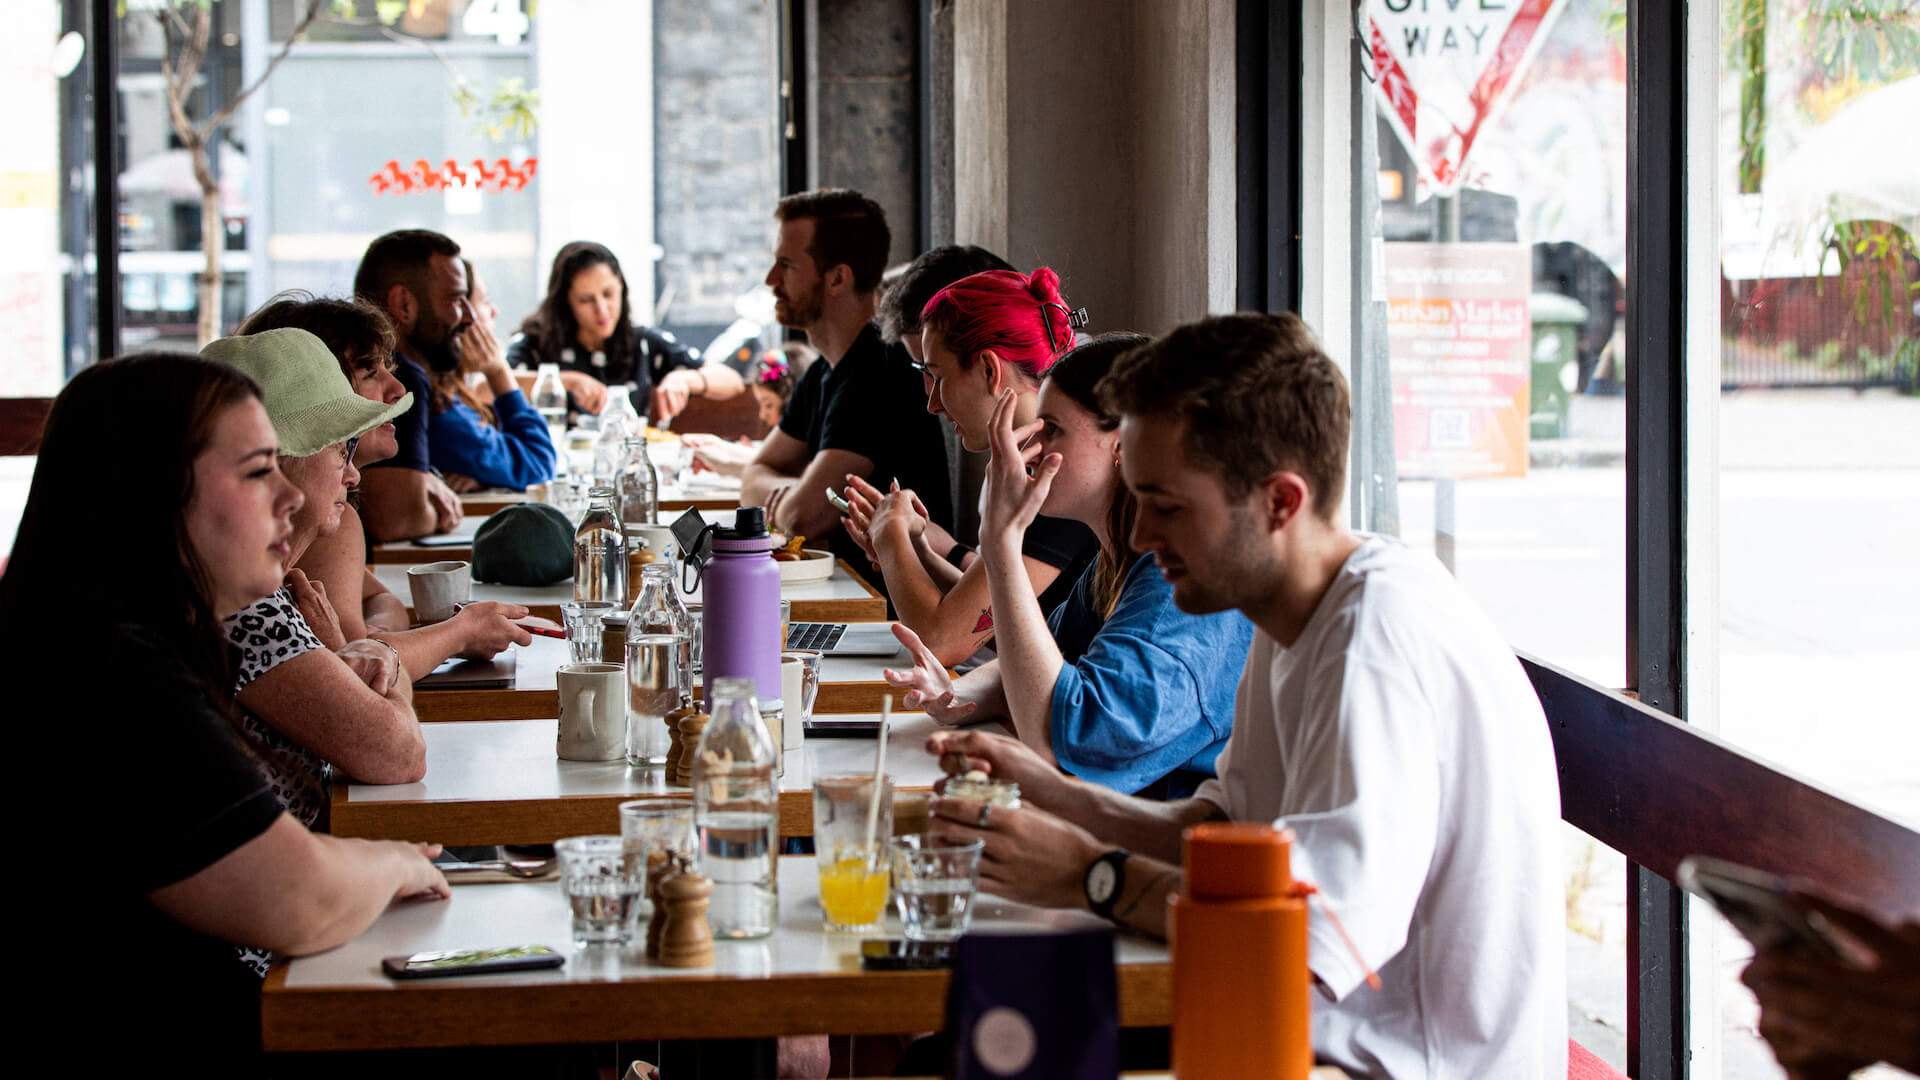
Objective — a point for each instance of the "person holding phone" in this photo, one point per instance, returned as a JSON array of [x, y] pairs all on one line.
[[115, 606], [1826, 1014]]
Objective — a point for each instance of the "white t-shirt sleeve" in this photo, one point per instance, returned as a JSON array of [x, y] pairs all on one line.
[[1364, 804]]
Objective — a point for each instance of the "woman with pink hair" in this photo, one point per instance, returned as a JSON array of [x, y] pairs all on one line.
[[989, 333]]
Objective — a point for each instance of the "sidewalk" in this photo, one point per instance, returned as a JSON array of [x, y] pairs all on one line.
[[1812, 429]]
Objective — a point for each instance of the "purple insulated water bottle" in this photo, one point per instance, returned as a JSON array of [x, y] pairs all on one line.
[[741, 584]]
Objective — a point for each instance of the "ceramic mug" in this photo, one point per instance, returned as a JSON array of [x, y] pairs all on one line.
[[438, 589], [593, 712]]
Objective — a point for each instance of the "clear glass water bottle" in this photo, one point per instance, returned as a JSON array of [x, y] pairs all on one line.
[[550, 401], [639, 485], [735, 808], [618, 423], [600, 551], [659, 665]]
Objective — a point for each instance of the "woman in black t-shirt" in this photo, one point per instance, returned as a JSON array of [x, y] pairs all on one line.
[[156, 507], [585, 325]]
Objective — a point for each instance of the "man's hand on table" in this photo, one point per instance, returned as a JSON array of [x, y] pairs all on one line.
[[460, 485], [1001, 757], [927, 684], [1029, 855], [446, 504]]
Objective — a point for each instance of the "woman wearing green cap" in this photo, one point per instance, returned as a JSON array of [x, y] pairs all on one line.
[[310, 701]]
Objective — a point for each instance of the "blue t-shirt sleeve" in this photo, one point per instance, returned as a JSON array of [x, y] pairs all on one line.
[[1152, 693], [410, 428], [515, 455]]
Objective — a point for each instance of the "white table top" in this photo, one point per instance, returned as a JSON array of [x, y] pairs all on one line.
[[485, 916], [494, 760]]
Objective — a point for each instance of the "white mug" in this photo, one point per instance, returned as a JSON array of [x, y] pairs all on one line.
[[593, 712], [793, 674], [438, 589]]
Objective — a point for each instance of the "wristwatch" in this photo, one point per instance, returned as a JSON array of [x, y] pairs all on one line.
[[1103, 880]]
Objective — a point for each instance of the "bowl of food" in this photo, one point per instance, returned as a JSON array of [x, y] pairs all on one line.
[[800, 563]]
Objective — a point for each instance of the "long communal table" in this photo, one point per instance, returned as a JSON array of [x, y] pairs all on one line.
[[800, 981], [673, 500], [843, 597], [457, 543], [499, 782], [847, 685]]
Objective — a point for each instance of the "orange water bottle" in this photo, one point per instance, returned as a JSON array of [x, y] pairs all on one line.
[[1238, 932]]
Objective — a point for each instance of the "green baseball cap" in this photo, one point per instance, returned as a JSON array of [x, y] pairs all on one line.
[[527, 544], [308, 397]]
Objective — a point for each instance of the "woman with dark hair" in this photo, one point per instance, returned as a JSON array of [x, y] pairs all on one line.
[[115, 606], [585, 325], [1118, 686], [982, 335]]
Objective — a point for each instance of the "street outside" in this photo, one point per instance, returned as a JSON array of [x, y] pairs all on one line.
[[1819, 521]]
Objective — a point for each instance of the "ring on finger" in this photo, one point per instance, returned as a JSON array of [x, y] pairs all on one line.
[[986, 813]]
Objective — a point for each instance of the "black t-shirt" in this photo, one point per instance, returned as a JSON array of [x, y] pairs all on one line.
[[872, 404], [170, 995], [1066, 545], [410, 427], [649, 355]]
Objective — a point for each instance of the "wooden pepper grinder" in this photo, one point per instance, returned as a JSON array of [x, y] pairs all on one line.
[[674, 747], [660, 866], [690, 729], [686, 941]]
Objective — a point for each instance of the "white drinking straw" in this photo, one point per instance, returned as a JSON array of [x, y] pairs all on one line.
[[879, 778]]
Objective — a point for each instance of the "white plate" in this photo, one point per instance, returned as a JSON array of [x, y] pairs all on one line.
[[817, 566]]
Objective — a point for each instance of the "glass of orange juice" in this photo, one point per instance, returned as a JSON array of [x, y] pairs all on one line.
[[854, 871]]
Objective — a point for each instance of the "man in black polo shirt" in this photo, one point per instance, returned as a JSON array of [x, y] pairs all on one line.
[[863, 411]]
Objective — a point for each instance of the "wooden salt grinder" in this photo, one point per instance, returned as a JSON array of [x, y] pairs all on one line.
[[690, 729], [687, 940]]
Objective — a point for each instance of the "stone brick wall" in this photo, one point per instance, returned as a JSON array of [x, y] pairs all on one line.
[[716, 165]]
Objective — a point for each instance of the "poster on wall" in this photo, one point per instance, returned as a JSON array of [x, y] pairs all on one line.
[[1458, 339], [1444, 70]]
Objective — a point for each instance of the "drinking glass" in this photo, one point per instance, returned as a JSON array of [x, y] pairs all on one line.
[[786, 621], [658, 828], [935, 885], [853, 872], [583, 618], [809, 684], [601, 883], [696, 615], [653, 691]]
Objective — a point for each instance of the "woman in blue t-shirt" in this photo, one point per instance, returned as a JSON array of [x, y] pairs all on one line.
[[1119, 687]]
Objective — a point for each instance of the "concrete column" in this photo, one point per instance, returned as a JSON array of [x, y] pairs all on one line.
[[1096, 137], [863, 104]]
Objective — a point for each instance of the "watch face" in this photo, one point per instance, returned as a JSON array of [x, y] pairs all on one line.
[[1100, 882]]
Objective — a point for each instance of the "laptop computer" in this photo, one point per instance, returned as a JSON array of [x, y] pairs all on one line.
[[844, 639]]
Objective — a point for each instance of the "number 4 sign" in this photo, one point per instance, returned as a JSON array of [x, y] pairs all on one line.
[[1445, 69], [501, 20]]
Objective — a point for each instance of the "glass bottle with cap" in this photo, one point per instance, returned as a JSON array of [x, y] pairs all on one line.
[[735, 808], [618, 423], [600, 551]]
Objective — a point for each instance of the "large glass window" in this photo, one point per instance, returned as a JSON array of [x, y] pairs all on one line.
[[1819, 467], [1491, 375]]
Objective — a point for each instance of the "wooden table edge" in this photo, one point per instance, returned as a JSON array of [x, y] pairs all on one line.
[[447, 1012]]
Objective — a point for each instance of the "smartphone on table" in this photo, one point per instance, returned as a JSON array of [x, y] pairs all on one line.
[[436, 965]]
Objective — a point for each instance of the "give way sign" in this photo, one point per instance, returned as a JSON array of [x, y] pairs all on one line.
[[1445, 69]]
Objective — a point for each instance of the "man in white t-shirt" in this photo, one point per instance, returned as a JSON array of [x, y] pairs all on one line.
[[1380, 717]]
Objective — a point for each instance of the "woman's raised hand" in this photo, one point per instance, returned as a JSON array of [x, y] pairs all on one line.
[[1018, 478], [927, 685]]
